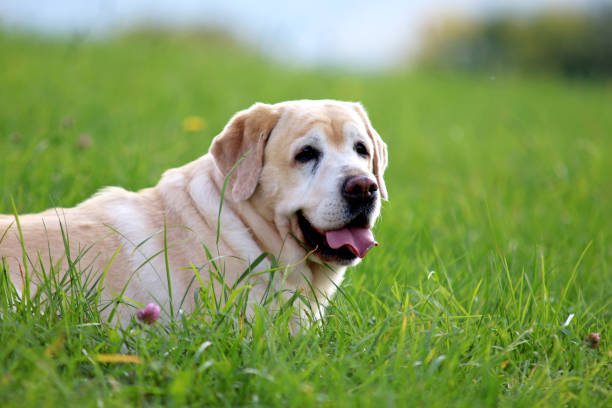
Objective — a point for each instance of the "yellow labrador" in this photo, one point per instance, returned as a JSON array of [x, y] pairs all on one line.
[[307, 188]]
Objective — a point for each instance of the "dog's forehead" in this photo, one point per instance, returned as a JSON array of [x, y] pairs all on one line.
[[334, 121]]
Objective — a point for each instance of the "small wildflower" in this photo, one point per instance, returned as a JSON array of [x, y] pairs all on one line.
[[67, 122], [593, 339], [149, 314], [85, 141], [15, 137], [194, 124], [118, 358]]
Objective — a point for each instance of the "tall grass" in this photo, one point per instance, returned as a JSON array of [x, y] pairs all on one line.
[[494, 261]]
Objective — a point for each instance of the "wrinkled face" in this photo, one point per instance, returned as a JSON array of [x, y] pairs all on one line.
[[318, 176]]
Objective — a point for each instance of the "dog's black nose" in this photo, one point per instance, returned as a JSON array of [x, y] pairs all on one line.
[[359, 189]]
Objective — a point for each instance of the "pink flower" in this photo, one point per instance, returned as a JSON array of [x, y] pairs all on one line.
[[149, 314], [593, 340]]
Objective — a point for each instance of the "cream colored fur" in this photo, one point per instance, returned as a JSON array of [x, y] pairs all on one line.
[[266, 190]]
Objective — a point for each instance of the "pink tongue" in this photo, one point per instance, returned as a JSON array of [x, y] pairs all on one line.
[[358, 240]]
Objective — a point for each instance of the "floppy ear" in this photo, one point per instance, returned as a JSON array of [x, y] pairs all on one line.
[[380, 151], [246, 133]]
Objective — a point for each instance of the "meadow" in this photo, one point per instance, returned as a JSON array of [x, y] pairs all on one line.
[[495, 255]]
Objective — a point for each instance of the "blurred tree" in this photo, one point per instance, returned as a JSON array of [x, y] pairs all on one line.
[[567, 42]]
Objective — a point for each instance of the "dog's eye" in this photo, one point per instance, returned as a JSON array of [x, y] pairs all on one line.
[[307, 154], [361, 149]]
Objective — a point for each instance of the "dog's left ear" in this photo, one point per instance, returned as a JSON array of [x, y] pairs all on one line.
[[380, 151], [245, 134]]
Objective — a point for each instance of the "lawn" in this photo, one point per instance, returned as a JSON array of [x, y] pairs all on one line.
[[495, 255]]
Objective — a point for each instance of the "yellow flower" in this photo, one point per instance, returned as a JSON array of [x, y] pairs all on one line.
[[118, 358], [193, 123]]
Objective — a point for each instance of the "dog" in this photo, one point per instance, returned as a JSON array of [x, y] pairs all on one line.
[[300, 180]]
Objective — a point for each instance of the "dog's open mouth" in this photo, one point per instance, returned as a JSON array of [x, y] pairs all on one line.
[[344, 244]]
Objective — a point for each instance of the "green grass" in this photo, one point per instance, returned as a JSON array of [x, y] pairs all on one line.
[[498, 228]]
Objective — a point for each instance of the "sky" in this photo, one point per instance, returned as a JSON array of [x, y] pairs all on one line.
[[352, 34]]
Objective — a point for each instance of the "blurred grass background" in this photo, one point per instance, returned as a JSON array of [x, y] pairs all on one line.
[[497, 183]]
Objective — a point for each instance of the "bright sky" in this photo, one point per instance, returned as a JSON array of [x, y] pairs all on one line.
[[349, 33]]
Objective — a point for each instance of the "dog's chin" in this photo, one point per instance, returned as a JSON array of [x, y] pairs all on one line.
[[315, 241]]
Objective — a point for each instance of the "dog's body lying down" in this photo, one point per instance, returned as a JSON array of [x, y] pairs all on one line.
[[307, 190]]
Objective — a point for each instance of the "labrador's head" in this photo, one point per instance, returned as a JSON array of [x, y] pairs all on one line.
[[314, 168]]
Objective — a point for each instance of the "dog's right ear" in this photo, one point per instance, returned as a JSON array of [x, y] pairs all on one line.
[[246, 134]]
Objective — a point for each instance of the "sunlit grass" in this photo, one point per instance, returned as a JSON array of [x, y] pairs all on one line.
[[495, 250]]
